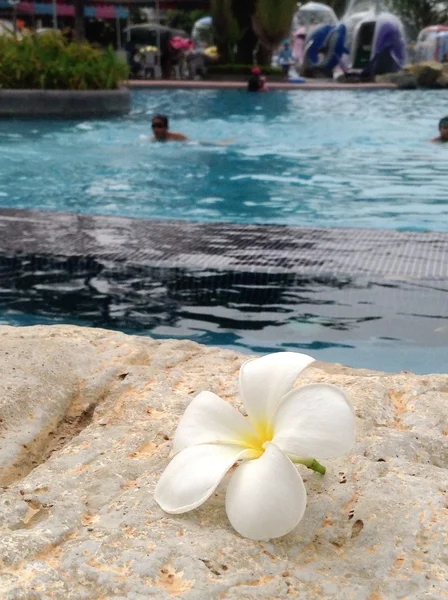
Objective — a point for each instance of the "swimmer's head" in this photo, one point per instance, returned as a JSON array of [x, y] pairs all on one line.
[[443, 128], [443, 122], [160, 126], [256, 71]]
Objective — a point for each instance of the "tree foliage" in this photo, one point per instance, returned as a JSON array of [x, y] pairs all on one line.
[[243, 10], [272, 21], [269, 21], [183, 19], [338, 6], [50, 62], [417, 13], [225, 28]]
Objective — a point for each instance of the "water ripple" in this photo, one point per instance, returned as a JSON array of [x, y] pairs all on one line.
[[343, 159]]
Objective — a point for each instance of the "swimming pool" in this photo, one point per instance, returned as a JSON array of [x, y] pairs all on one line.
[[383, 325], [345, 159], [341, 159]]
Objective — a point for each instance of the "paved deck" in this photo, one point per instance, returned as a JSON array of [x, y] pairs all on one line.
[[309, 85], [268, 249]]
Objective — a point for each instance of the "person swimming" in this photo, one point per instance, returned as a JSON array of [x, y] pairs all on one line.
[[443, 131], [160, 129]]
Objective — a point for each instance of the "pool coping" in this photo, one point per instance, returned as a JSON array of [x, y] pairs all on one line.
[[70, 104], [267, 249], [309, 85]]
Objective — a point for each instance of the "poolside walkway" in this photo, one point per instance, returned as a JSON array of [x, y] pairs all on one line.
[[267, 249], [309, 85]]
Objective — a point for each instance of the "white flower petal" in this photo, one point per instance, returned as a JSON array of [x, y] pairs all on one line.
[[316, 421], [210, 420], [264, 380], [194, 474], [266, 498]]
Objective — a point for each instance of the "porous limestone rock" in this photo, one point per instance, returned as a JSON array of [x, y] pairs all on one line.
[[429, 74], [402, 79], [86, 422]]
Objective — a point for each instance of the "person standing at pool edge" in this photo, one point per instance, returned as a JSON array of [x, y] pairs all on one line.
[[286, 58], [443, 131], [160, 129]]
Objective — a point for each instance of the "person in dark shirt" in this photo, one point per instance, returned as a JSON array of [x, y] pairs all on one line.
[[256, 82]]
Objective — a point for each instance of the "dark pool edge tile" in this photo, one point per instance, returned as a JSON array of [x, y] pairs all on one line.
[[387, 254]]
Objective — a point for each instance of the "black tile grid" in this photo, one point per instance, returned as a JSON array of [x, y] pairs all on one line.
[[383, 254]]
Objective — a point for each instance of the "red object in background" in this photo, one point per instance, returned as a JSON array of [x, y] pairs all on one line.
[[27, 7], [65, 10], [180, 43], [105, 12]]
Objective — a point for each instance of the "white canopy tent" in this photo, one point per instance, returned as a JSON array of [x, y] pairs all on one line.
[[313, 14]]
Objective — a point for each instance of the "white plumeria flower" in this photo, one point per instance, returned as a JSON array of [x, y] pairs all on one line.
[[266, 497]]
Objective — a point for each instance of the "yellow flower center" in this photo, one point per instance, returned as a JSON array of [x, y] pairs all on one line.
[[264, 434]]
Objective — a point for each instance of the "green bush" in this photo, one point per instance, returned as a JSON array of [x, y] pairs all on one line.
[[49, 62], [241, 70]]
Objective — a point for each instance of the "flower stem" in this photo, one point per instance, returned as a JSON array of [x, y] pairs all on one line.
[[312, 464]]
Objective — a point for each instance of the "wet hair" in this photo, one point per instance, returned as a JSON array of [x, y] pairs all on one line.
[[443, 122], [162, 118]]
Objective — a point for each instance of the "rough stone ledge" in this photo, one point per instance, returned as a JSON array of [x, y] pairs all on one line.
[[64, 103], [86, 420]]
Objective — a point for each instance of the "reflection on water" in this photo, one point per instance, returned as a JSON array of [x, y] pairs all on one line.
[[361, 323]]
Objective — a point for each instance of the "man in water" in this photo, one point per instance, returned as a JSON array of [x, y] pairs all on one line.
[[160, 128], [443, 131]]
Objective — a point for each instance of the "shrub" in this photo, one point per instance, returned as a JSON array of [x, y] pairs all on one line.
[[241, 70], [50, 62]]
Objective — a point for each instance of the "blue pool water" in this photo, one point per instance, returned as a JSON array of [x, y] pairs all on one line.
[[345, 159], [389, 326], [350, 158]]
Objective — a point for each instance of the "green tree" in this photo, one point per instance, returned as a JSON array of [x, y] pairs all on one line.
[[243, 10], [248, 22], [418, 14], [225, 29], [338, 6], [184, 19], [272, 23], [79, 32]]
